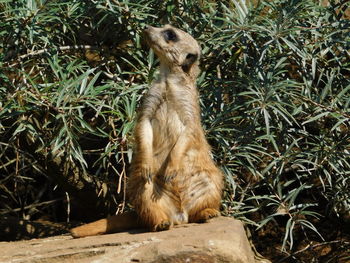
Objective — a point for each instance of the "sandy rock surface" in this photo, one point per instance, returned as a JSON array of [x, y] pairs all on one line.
[[222, 240]]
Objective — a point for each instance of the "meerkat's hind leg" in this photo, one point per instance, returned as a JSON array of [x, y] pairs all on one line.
[[156, 218], [204, 195], [152, 205]]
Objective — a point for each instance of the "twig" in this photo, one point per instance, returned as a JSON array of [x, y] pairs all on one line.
[[311, 247], [47, 50], [2, 212], [325, 107], [17, 162], [68, 207], [124, 177]]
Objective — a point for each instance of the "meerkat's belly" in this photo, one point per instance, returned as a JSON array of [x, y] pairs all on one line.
[[167, 127]]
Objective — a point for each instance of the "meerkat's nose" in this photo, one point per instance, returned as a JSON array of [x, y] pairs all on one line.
[[148, 27]]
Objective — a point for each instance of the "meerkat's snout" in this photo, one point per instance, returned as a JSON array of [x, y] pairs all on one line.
[[160, 38], [150, 37], [147, 29]]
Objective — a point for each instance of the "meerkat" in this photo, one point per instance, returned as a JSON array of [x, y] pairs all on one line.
[[173, 179]]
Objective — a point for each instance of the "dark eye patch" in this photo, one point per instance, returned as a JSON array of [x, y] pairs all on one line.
[[191, 56], [170, 35], [188, 62]]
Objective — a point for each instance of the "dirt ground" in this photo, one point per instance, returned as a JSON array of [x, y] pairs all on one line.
[[308, 247]]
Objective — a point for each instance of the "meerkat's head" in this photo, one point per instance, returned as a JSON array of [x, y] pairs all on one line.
[[174, 48]]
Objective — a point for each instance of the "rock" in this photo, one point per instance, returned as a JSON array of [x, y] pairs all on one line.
[[222, 240]]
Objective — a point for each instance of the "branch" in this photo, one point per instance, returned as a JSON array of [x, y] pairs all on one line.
[[48, 50], [325, 107], [309, 246]]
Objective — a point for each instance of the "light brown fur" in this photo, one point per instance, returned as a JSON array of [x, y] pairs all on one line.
[[173, 179]]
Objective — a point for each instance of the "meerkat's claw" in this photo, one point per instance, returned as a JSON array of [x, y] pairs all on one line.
[[169, 177]]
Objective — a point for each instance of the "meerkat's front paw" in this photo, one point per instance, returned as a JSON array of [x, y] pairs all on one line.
[[171, 173], [146, 172]]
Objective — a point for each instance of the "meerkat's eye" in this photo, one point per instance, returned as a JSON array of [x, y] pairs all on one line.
[[170, 35], [191, 56]]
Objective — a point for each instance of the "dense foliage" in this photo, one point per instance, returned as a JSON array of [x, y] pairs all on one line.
[[275, 99]]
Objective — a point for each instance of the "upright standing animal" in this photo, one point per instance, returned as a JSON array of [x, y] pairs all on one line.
[[173, 179]]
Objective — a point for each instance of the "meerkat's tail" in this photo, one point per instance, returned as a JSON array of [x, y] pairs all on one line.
[[117, 223]]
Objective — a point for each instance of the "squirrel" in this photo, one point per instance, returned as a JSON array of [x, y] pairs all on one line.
[[172, 179]]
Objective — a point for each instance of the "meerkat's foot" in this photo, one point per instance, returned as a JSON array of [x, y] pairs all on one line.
[[205, 215], [155, 216], [164, 225]]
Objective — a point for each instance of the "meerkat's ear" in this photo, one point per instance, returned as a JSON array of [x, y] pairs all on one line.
[[188, 62]]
